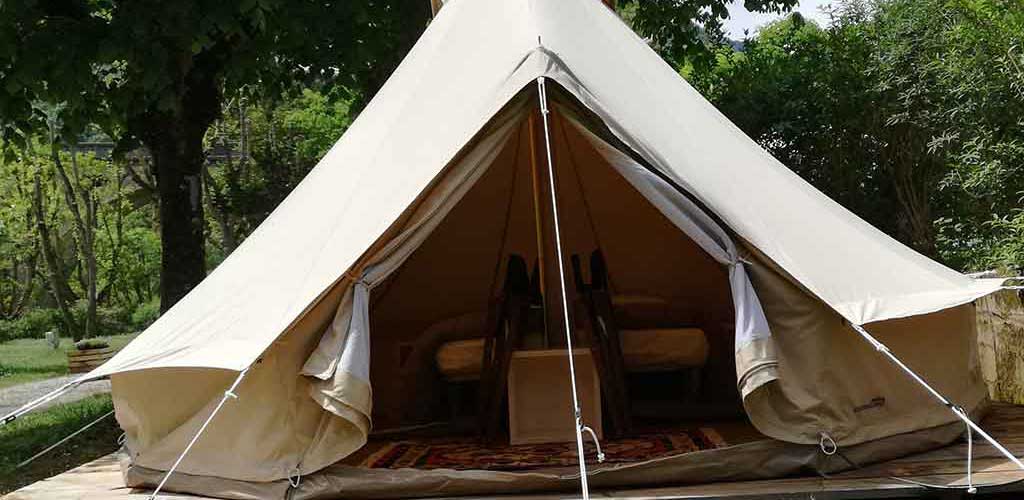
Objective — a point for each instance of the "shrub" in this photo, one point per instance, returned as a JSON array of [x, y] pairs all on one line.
[[91, 344], [109, 320], [32, 325], [145, 314]]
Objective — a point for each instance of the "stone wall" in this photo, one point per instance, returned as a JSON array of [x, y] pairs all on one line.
[[1001, 345]]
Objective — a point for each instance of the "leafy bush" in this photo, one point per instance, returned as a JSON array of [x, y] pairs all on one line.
[[110, 321], [82, 345], [33, 324], [145, 314]]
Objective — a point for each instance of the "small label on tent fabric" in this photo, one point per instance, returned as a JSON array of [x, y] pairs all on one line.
[[874, 403]]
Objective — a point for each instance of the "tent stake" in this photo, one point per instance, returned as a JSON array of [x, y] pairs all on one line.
[[577, 414], [230, 393], [958, 411]]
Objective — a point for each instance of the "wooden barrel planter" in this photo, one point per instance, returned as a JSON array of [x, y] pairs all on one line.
[[84, 360]]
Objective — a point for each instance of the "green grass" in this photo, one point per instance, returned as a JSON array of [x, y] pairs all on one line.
[[34, 432], [27, 360]]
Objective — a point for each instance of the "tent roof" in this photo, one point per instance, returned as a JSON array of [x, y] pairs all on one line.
[[474, 57]]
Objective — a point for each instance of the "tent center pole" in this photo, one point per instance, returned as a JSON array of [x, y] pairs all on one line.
[[958, 411], [577, 414], [537, 222], [230, 393]]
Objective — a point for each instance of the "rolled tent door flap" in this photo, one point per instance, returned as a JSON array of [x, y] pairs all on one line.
[[340, 364], [756, 363]]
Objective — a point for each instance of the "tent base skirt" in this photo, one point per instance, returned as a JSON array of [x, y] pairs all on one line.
[[763, 459]]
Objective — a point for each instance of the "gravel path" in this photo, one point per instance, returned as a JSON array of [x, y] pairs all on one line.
[[14, 397]]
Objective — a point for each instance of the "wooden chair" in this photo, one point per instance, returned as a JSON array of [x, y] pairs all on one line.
[[605, 343], [504, 330]]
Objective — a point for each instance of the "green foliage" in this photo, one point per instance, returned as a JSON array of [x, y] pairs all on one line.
[[154, 73], [123, 241], [145, 314], [34, 432], [907, 112], [688, 30], [86, 344], [1008, 248], [121, 62], [32, 325], [259, 151]]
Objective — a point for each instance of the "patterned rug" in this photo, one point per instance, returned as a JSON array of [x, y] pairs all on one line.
[[467, 453]]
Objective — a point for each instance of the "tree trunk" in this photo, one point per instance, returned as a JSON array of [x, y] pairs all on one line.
[[73, 191], [55, 270], [914, 176], [178, 162], [220, 214], [175, 141], [115, 240]]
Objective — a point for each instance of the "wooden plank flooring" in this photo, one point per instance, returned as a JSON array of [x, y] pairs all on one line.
[[947, 466]]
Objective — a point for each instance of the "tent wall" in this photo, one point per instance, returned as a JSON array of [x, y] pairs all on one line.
[[831, 381], [260, 436]]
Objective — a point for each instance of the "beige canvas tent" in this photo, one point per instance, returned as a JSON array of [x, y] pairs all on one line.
[[397, 243]]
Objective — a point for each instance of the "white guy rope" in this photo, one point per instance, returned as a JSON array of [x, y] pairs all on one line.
[[41, 400], [578, 415], [230, 393], [970, 457], [959, 412], [66, 439]]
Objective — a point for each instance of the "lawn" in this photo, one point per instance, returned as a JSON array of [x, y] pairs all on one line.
[[27, 360], [34, 432]]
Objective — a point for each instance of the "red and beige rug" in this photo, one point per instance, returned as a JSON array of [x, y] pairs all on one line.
[[467, 453]]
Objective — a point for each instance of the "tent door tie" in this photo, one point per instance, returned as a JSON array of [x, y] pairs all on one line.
[[597, 442], [295, 477]]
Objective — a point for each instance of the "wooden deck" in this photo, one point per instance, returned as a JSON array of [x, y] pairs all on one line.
[[993, 474]]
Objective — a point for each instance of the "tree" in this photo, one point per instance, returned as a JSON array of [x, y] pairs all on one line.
[[908, 112], [802, 92], [19, 247], [157, 72], [259, 151], [688, 30]]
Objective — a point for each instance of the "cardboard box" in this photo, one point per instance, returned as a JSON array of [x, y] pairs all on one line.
[[540, 396]]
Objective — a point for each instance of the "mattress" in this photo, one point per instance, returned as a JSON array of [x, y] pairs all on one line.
[[656, 349]]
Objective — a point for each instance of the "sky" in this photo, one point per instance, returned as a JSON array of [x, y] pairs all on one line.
[[740, 19]]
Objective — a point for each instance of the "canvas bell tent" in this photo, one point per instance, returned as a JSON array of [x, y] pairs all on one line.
[[533, 175]]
